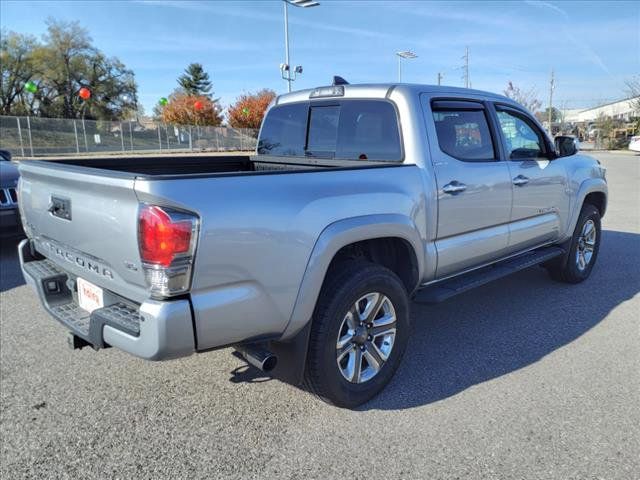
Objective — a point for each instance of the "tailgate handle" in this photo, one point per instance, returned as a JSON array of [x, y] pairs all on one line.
[[60, 207]]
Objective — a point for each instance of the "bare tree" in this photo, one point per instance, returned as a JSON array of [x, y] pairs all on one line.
[[633, 90], [527, 98]]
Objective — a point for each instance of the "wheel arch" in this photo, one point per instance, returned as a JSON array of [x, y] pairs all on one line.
[[394, 253], [376, 238], [594, 191], [598, 199]]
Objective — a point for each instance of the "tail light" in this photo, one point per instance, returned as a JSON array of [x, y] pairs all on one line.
[[167, 241]]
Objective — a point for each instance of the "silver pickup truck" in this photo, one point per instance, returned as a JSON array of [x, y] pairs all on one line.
[[304, 257]]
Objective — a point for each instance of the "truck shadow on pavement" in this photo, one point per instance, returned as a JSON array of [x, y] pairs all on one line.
[[507, 325], [10, 273]]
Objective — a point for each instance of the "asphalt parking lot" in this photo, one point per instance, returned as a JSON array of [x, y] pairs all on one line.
[[522, 378]]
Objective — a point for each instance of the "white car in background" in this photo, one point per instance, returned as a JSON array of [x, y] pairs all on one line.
[[634, 144]]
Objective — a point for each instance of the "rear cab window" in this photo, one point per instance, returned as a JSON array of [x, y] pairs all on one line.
[[284, 130], [341, 129], [323, 130]]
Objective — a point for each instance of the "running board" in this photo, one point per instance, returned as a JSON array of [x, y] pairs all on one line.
[[448, 288]]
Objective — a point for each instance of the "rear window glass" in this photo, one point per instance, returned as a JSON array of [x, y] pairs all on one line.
[[368, 131], [347, 130], [323, 129], [284, 130], [464, 134]]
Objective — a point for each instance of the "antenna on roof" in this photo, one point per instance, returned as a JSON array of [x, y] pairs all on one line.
[[337, 80]]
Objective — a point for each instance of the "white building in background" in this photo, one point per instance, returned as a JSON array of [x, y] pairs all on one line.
[[620, 110]]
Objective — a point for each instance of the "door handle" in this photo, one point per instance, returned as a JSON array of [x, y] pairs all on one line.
[[454, 187], [520, 180]]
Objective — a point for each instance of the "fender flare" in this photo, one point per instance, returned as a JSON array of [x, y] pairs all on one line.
[[591, 185], [336, 236]]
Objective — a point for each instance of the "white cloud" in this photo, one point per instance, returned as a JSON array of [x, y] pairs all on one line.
[[248, 12], [487, 18], [580, 45]]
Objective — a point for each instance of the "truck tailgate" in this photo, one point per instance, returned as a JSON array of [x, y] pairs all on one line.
[[85, 220]]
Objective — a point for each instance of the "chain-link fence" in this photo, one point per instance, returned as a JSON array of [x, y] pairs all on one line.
[[34, 136]]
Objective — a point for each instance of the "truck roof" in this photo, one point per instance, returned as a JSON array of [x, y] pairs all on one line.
[[381, 90]]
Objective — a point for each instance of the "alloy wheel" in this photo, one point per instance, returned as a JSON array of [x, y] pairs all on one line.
[[586, 245], [366, 337]]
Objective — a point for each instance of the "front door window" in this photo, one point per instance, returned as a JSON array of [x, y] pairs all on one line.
[[522, 139]]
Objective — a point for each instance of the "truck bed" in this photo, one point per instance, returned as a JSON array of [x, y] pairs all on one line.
[[167, 165], [151, 166]]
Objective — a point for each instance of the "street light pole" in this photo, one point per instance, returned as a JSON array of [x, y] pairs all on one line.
[[405, 54], [286, 67], [286, 42]]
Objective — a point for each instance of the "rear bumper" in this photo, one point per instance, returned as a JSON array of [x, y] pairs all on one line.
[[152, 330]]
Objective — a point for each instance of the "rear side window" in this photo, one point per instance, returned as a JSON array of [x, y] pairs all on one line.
[[346, 130], [284, 130], [464, 134]]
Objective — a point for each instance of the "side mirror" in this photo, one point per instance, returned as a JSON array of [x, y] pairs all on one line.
[[566, 145]]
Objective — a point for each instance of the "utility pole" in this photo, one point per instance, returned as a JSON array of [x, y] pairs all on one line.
[[439, 78], [551, 87], [466, 67]]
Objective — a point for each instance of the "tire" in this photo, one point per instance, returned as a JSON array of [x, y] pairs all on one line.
[[569, 268], [349, 286]]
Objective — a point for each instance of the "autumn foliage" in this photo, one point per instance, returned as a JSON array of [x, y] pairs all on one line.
[[184, 109], [248, 110]]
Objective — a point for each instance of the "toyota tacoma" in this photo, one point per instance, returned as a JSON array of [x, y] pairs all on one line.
[[305, 256]]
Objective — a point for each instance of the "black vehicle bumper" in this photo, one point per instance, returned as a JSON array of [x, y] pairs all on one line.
[[10, 224]]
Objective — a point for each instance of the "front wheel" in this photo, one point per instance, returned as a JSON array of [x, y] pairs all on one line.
[[576, 265], [359, 332]]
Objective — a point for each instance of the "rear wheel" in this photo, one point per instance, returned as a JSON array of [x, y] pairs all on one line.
[[576, 265], [358, 335]]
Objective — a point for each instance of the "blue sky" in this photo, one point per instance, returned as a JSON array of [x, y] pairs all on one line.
[[592, 46]]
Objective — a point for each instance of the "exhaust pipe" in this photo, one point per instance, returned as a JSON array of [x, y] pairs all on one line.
[[259, 357]]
